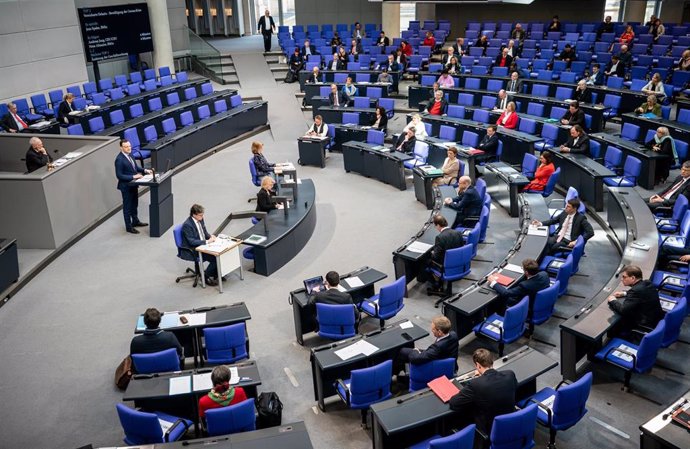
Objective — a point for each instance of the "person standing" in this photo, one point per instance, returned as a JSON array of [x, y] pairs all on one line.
[[126, 171], [267, 27]]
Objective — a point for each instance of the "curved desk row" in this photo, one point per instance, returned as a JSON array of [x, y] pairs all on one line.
[[287, 233], [329, 75], [312, 90], [180, 146], [369, 160], [585, 175], [334, 114], [633, 224], [678, 130], [471, 306]]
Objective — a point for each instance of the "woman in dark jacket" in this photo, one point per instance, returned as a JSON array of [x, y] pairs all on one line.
[[380, 122], [263, 167], [264, 198], [663, 143]]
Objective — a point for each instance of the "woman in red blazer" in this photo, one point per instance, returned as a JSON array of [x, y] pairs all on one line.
[[543, 173], [509, 118]]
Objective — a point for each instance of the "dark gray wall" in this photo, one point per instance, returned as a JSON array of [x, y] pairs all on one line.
[[308, 12]]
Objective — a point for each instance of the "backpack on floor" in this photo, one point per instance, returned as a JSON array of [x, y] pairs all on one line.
[[270, 410], [290, 77]]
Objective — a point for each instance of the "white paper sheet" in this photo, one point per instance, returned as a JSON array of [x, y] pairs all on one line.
[[361, 347], [514, 268], [406, 325], [354, 282], [658, 422], [180, 385], [538, 230], [195, 319], [234, 376], [624, 356], [170, 319], [202, 382], [418, 247]]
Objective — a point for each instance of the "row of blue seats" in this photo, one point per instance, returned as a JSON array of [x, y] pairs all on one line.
[[585, 27]]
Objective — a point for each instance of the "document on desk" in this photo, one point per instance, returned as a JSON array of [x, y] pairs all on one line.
[[354, 282], [218, 246], [418, 247], [542, 231], [234, 375], [195, 319], [170, 319], [145, 178], [514, 268], [180, 385], [361, 347], [406, 325], [202, 382], [658, 422]]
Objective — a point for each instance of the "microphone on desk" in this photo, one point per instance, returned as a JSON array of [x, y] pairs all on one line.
[[583, 311], [421, 393]]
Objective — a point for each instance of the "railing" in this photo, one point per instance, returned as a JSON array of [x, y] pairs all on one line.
[[206, 59]]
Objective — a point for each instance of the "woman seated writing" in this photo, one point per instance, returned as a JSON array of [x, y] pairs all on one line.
[[264, 199], [450, 168]]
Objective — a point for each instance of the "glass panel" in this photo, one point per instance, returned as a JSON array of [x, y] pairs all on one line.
[[407, 12], [260, 6], [612, 8], [288, 13], [649, 10]]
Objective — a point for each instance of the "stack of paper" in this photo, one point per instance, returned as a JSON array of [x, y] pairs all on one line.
[[514, 268], [361, 347], [354, 282], [624, 356], [541, 231]]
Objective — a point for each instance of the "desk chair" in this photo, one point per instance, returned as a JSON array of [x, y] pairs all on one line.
[[529, 164], [231, 419], [668, 219], [507, 328], [387, 303], [631, 171], [456, 265], [550, 184], [186, 254], [423, 373], [513, 430], [549, 133], [552, 264], [366, 386], [75, 130], [463, 439], [543, 306], [255, 176], [226, 344], [145, 428], [156, 362], [337, 321]]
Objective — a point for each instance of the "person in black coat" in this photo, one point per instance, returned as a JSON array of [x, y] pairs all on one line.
[[380, 120], [261, 164], [515, 83], [155, 339], [336, 63], [639, 306], [446, 239], [383, 40], [534, 282], [445, 346], [315, 76], [468, 203], [407, 141], [36, 155], [577, 143], [679, 186], [576, 225], [615, 68], [267, 27], [65, 108], [574, 115], [126, 171], [582, 94], [489, 143], [336, 97], [483, 398], [605, 27], [438, 106], [12, 122], [296, 62], [194, 234], [332, 295], [308, 49], [264, 197], [662, 143]]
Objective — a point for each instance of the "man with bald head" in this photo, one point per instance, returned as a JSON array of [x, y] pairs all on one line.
[[36, 156], [468, 203], [515, 84], [625, 56], [502, 100]]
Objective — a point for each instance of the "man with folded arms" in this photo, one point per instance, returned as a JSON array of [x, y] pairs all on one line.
[[445, 345]]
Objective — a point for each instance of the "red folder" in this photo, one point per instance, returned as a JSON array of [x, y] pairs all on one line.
[[444, 388], [474, 151], [504, 280]]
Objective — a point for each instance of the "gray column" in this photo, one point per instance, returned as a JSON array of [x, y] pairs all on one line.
[[160, 31], [425, 11], [246, 18], [634, 11], [390, 19]]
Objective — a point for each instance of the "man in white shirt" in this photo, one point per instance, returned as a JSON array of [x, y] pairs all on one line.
[[194, 234], [571, 225], [501, 101], [319, 128], [515, 84]]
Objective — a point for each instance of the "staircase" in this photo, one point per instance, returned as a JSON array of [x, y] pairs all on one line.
[[277, 64], [210, 62]]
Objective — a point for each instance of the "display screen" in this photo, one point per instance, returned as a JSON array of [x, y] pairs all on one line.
[[115, 31]]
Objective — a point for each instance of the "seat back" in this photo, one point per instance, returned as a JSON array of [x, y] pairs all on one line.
[[56, 96], [570, 404], [203, 112], [613, 158], [38, 101], [75, 130], [156, 362], [150, 134], [96, 125], [550, 133], [673, 322], [150, 85], [544, 302], [423, 373], [155, 104], [679, 208], [457, 263], [370, 385], [169, 126], [99, 98], [594, 149], [206, 89], [564, 273], [649, 346], [235, 100], [514, 430], [391, 298], [480, 185], [117, 117], [530, 163], [186, 118], [470, 138], [455, 110], [564, 93], [351, 117], [481, 115], [361, 102], [252, 170], [630, 132], [421, 150], [105, 84], [681, 150], [631, 169], [336, 321], [172, 98], [463, 439], [220, 106], [578, 250], [551, 183], [527, 125], [89, 88], [133, 89], [488, 101], [231, 419], [375, 136], [514, 320], [139, 427], [226, 344], [135, 110], [614, 102], [189, 93], [181, 77], [535, 109], [540, 90], [447, 133], [116, 93]]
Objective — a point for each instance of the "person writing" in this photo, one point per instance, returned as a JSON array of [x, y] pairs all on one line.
[[574, 115], [264, 198], [194, 234], [571, 225], [508, 118], [450, 168], [542, 174], [263, 167], [36, 156], [126, 171], [615, 68], [679, 186], [223, 394], [155, 339], [577, 143], [319, 128], [535, 280], [662, 143], [501, 101], [468, 203], [639, 306]]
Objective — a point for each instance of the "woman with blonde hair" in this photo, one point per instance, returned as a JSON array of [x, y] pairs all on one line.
[[263, 167]]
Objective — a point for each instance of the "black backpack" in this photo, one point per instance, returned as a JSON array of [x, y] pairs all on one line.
[[270, 410]]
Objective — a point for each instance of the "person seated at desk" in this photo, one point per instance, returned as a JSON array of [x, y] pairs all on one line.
[[515, 83], [582, 94], [555, 25], [625, 57], [263, 167], [355, 50], [596, 78], [406, 48], [654, 86], [401, 59], [533, 282], [406, 141], [679, 186], [335, 64], [429, 40], [12, 122], [385, 77], [336, 42], [450, 168], [336, 98], [194, 234], [342, 55], [383, 40], [315, 76], [543, 172], [574, 115], [571, 225], [508, 118], [332, 294], [467, 204], [567, 54], [438, 106], [454, 68], [459, 47], [36, 155], [380, 120], [512, 50], [503, 59], [155, 339], [663, 143], [489, 394], [445, 80], [483, 43], [444, 347], [518, 33], [489, 145], [447, 239], [296, 63], [223, 394], [577, 143], [264, 197], [308, 50], [65, 108], [445, 59], [389, 64], [319, 128], [350, 91], [640, 307], [419, 128], [501, 101], [615, 68], [649, 106]]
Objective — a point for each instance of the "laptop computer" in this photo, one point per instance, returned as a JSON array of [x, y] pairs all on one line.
[[313, 285]]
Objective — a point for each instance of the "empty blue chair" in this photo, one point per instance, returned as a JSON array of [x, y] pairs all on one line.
[[220, 106], [351, 117], [169, 125], [564, 93], [388, 104], [552, 264], [514, 430], [164, 71], [89, 89], [447, 133], [116, 93], [206, 89], [527, 125], [530, 163], [630, 132], [135, 77], [145, 428], [613, 158], [505, 329], [614, 103], [105, 84], [172, 98], [366, 386], [361, 102], [151, 135], [150, 85], [420, 154], [235, 101], [481, 115], [488, 101], [74, 90], [40, 105], [186, 119], [203, 112], [156, 362], [121, 81], [155, 104], [96, 125], [456, 111], [631, 171], [181, 77], [463, 439], [375, 136], [544, 303], [166, 81], [535, 109], [189, 93], [226, 344], [615, 82], [336, 321], [470, 139], [633, 358], [387, 303], [135, 110], [55, 97], [133, 89], [75, 130], [457, 264], [149, 74], [666, 224], [549, 133], [99, 99], [422, 374], [137, 153], [540, 90], [231, 419], [673, 321]]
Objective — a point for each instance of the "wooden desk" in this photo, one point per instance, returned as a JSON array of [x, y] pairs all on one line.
[[228, 258]]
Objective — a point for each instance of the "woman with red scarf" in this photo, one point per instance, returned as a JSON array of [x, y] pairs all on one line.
[[222, 394]]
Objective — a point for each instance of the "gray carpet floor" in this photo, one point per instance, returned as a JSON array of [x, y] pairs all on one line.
[[62, 336]]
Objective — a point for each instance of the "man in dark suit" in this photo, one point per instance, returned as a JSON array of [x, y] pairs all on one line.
[[624, 56], [66, 106], [155, 339], [336, 97], [12, 122], [582, 94], [459, 47], [640, 306], [467, 203], [450, 54], [605, 27], [315, 76], [308, 50], [406, 141], [267, 27], [126, 171], [577, 143], [36, 156], [438, 106], [332, 295], [679, 186], [336, 63], [390, 65], [383, 40], [194, 234], [483, 398], [489, 143], [574, 115], [502, 100], [571, 225], [515, 84], [504, 59], [446, 239], [445, 346], [616, 67], [597, 76], [534, 282]]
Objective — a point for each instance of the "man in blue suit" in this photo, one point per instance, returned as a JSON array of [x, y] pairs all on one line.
[[126, 171], [534, 282], [467, 203], [194, 234]]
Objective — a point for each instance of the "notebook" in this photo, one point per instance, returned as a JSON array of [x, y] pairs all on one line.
[[443, 388]]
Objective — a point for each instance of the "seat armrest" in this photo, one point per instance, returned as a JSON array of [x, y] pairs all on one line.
[[541, 405], [345, 389], [179, 421]]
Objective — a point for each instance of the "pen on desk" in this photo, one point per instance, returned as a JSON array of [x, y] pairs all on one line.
[[583, 311]]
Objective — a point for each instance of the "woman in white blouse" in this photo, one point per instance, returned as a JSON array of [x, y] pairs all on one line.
[[420, 129], [654, 86]]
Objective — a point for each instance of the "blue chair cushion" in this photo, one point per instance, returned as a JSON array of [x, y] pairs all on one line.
[[615, 357], [546, 397], [618, 181], [424, 444], [551, 264], [490, 327]]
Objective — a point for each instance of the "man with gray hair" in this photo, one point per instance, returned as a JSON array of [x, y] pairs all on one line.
[[12, 122], [36, 155], [468, 203]]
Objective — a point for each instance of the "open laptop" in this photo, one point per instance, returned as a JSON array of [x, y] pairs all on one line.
[[313, 285]]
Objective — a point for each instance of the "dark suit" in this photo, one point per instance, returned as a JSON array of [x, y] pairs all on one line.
[[191, 238], [266, 30], [339, 64], [500, 102], [8, 123], [582, 96], [63, 112], [620, 69], [386, 42], [445, 240], [580, 227], [485, 397], [489, 144], [342, 101], [383, 122], [578, 118], [446, 59], [407, 146], [444, 348], [526, 287], [626, 59], [312, 51], [315, 79], [36, 160], [156, 340], [391, 67], [125, 169], [331, 296], [514, 86], [598, 78], [683, 190], [640, 306], [264, 203], [467, 204], [581, 147], [509, 60], [459, 51]]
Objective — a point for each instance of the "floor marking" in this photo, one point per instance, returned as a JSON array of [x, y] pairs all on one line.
[[315, 409], [618, 432], [293, 379]]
